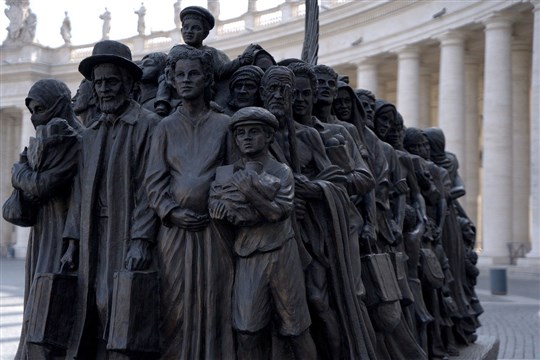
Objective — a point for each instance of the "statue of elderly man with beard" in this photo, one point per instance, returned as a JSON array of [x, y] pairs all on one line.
[[109, 223]]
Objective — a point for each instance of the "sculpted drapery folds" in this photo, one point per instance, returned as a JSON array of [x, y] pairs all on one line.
[[332, 277]]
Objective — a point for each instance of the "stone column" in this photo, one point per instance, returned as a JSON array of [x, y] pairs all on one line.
[[25, 130], [497, 140], [367, 76], [535, 138], [408, 91], [451, 91], [470, 164], [10, 135], [521, 77], [424, 93]]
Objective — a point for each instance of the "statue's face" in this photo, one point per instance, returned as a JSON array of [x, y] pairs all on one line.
[[396, 132], [109, 88], [369, 108], [189, 79], [382, 122], [327, 88], [245, 93], [277, 95], [304, 97], [193, 32], [343, 105], [39, 113], [151, 69], [83, 97], [251, 139], [420, 148]]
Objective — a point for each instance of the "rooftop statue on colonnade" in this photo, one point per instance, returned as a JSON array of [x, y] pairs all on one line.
[[22, 23], [65, 29]]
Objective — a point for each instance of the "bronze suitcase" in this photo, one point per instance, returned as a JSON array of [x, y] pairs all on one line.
[[53, 309], [134, 323]]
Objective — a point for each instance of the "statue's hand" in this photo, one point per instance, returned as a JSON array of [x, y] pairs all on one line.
[[138, 256], [396, 231], [368, 235], [299, 208], [69, 261], [248, 56], [17, 170]]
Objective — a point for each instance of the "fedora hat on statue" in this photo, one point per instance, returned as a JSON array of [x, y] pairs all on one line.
[[109, 51]]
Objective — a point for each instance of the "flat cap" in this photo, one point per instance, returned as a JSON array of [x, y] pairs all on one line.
[[200, 12], [253, 115]]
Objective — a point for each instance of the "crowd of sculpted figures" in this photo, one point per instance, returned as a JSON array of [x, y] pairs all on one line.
[[189, 206]]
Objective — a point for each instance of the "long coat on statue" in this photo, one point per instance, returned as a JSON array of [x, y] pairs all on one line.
[[121, 158]]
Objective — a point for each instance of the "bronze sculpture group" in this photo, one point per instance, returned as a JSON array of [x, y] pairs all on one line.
[[218, 209]]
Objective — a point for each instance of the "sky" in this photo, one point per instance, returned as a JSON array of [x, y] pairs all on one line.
[[86, 24]]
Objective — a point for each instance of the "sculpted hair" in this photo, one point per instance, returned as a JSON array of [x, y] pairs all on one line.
[[159, 57], [277, 69], [301, 69], [186, 52], [365, 92], [325, 69]]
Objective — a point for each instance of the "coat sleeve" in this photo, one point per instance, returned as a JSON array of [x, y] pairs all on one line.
[[157, 176], [144, 222], [360, 179], [72, 227]]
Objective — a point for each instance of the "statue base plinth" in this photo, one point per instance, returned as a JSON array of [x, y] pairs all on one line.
[[485, 348]]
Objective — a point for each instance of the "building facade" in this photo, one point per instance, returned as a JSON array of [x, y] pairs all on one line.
[[469, 67]]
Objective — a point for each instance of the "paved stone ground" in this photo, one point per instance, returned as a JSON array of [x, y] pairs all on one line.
[[11, 306], [513, 318]]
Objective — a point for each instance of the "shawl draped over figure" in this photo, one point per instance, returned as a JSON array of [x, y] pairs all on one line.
[[452, 239], [46, 178]]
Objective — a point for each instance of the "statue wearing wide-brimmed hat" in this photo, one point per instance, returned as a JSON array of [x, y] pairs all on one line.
[[109, 51], [109, 222]]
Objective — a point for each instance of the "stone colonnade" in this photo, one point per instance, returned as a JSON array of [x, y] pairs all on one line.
[[488, 105]]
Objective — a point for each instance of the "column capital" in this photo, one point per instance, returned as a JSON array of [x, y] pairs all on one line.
[[499, 20], [367, 62], [408, 52], [452, 37]]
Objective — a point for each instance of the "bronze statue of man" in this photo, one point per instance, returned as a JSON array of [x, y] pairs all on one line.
[[244, 88], [196, 264], [342, 326], [109, 224]]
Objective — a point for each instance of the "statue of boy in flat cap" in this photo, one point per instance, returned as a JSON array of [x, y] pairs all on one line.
[[269, 284], [196, 25]]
